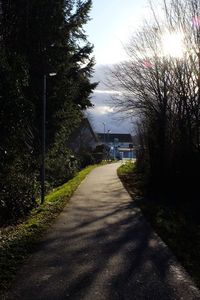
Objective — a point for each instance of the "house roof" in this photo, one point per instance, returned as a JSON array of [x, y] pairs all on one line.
[[122, 137], [84, 124]]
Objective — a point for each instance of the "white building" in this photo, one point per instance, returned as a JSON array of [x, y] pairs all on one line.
[[121, 145]]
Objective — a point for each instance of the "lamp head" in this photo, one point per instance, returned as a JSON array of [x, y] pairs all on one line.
[[52, 74]]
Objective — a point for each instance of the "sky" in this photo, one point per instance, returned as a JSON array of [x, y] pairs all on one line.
[[112, 22], [111, 25]]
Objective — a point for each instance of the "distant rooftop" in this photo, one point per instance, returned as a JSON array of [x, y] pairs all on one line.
[[122, 137]]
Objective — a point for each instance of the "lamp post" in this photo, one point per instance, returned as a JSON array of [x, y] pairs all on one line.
[[108, 135], [44, 100], [104, 132], [108, 142]]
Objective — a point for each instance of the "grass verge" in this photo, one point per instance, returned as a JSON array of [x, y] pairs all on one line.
[[17, 242], [174, 223]]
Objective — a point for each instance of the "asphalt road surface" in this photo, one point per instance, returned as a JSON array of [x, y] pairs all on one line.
[[101, 248]]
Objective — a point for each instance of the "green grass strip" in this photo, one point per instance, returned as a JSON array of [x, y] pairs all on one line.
[[17, 242], [125, 169]]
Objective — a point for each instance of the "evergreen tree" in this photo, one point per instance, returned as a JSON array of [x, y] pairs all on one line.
[[37, 38]]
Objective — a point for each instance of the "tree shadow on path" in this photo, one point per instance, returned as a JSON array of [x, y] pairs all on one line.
[[103, 254]]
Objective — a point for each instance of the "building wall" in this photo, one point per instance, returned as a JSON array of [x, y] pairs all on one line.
[[128, 154], [122, 152]]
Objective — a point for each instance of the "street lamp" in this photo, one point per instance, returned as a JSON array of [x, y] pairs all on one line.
[[108, 140], [108, 134], [104, 132], [44, 100]]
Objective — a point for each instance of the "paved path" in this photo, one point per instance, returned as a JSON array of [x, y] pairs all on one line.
[[101, 248]]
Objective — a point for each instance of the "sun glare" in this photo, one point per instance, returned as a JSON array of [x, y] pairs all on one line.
[[172, 44]]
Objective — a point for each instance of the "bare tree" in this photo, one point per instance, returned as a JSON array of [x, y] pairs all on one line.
[[163, 89]]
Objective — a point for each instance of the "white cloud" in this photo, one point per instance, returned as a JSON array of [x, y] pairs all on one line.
[[103, 110], [110, 92]]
